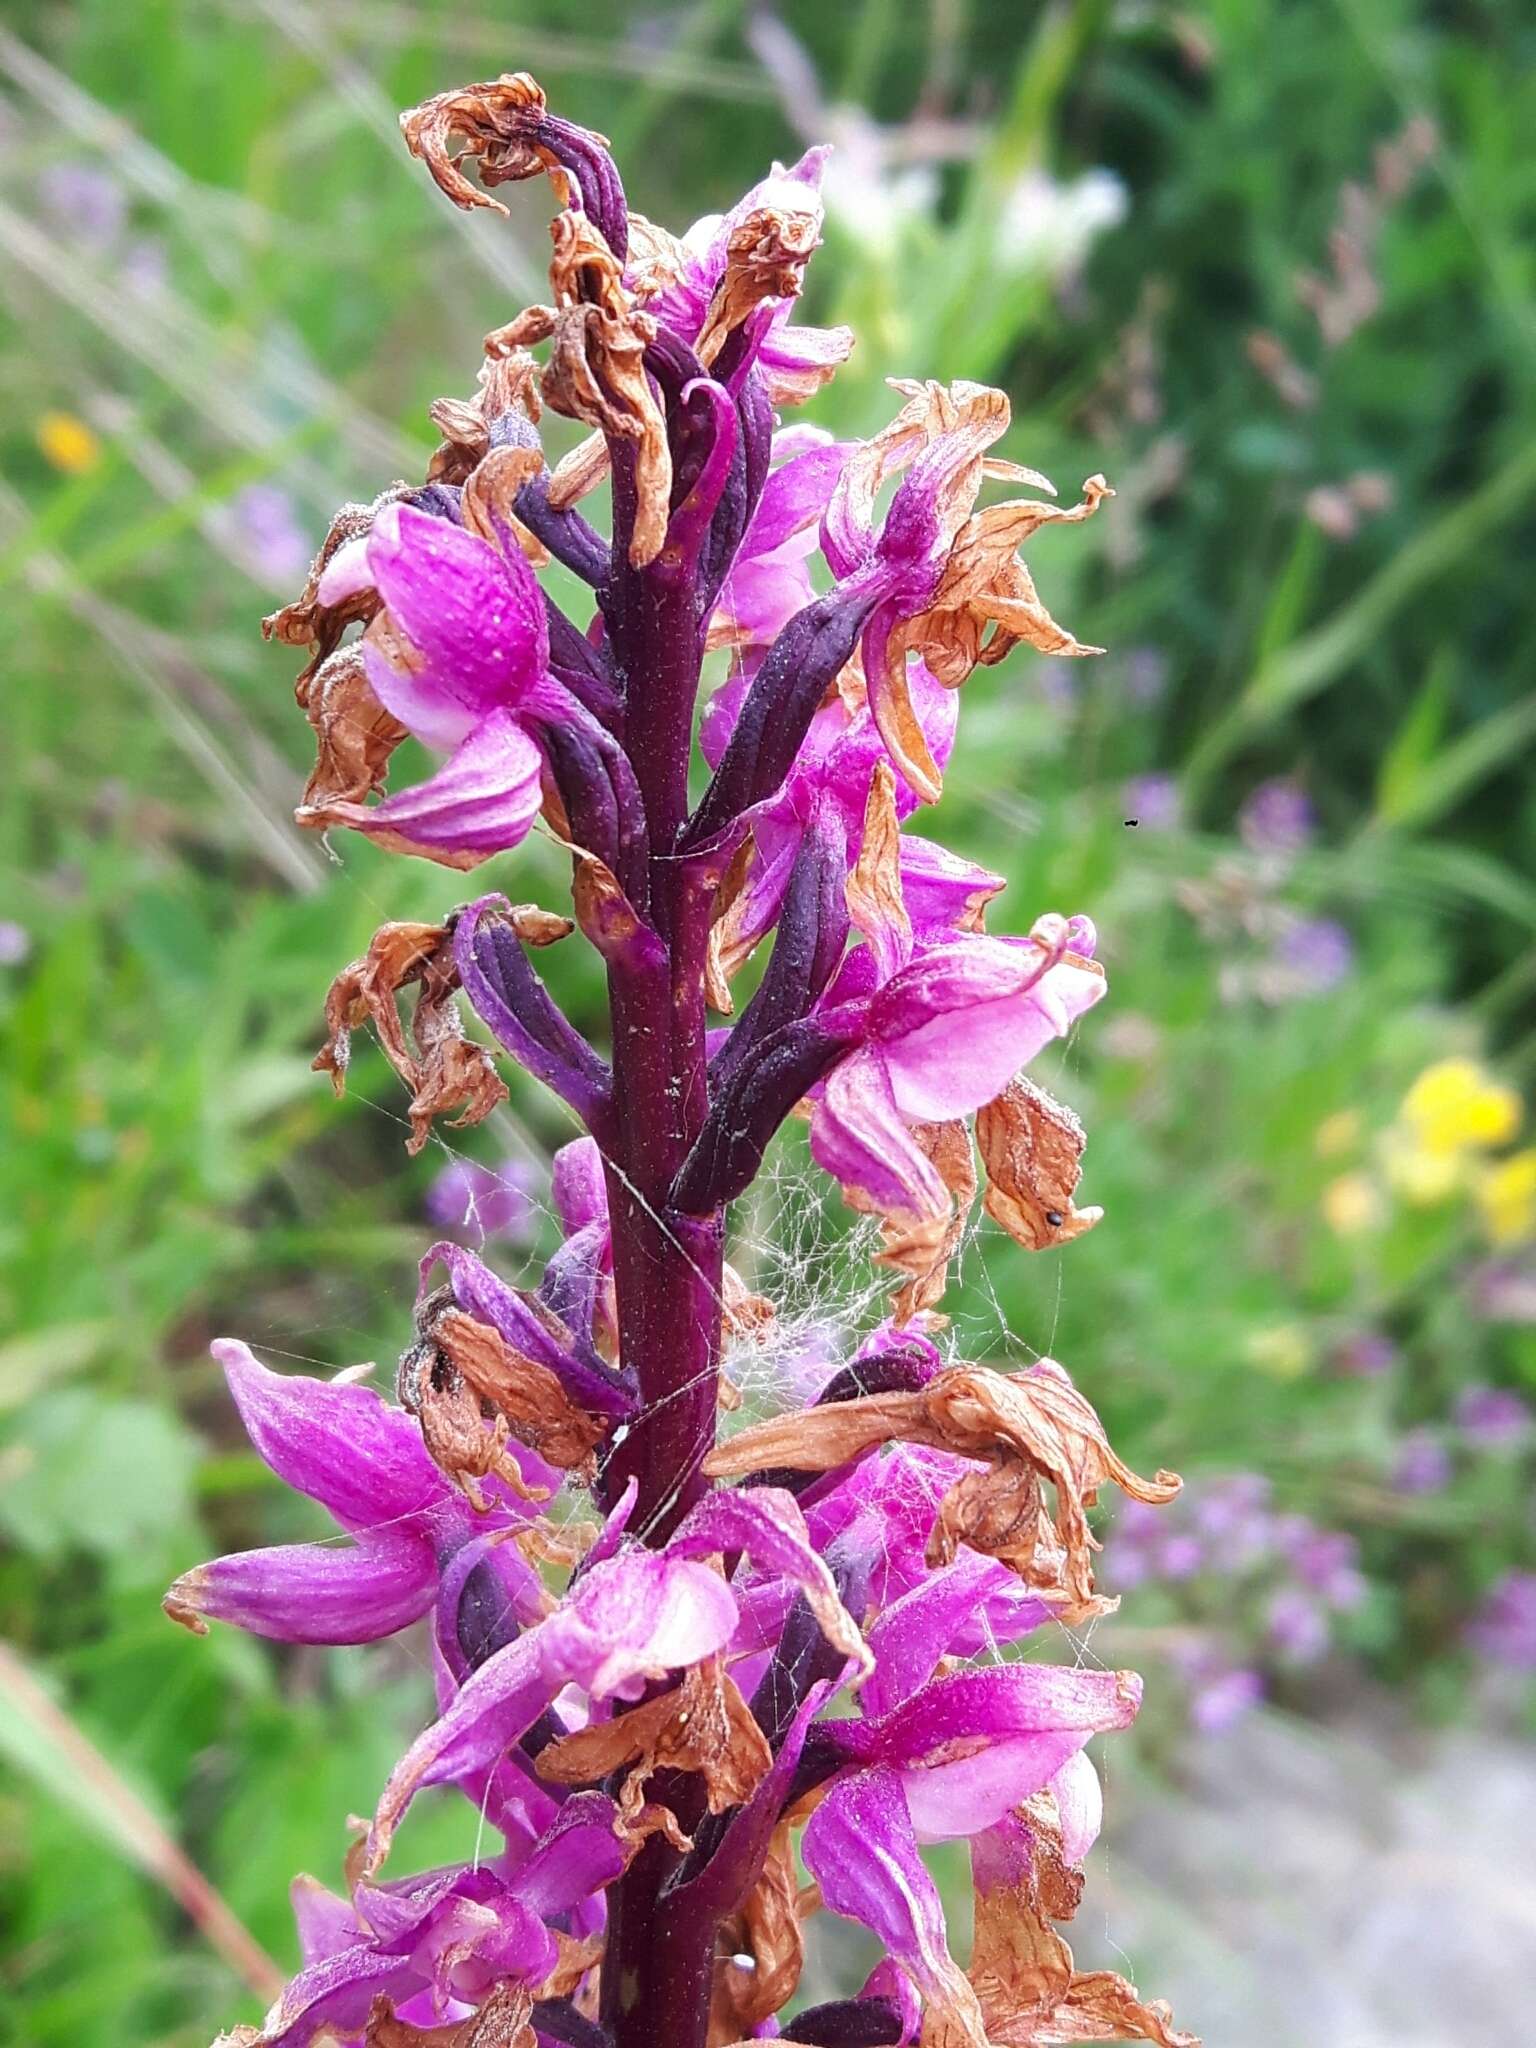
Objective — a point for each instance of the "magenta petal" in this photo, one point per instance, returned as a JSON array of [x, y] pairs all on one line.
[[336, 1994], [959, 1023], [314, 1593], [971, 1747], [936, 1619], [341, 1445], [580, 1854], [952, 1801], [346, 574], [482, 800], [794, 497], [579, 1190], [326, 1924], [860, 1847], [1000, 1704], [941, 890], [860, 1137], [765, 1524], [634, 1616], [474, 616]]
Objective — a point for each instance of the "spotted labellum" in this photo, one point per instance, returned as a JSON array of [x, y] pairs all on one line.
[[707, 1685]]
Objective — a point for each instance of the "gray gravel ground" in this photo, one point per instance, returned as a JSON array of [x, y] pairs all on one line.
[[1316, 1888]]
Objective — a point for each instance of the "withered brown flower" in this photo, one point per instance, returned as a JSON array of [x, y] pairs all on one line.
[[528, 1396], [464, 1435], [596, 369], [504, 2020], [986, 603], [497, 122], [1030, 1428], [703, 1724], [1029, 1992], [443, 1068], [1032, 1148], [354, 735], [770, 1932]]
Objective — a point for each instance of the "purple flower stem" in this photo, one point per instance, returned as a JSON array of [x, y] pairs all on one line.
[[667, 1266]]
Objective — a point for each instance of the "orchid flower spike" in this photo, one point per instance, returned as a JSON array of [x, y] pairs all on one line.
[[674, 1660]]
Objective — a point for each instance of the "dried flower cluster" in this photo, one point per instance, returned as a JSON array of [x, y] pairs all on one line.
[[651, 1746]]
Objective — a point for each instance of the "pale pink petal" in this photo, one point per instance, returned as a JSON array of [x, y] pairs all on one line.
[[860, 1137], [483, 799]]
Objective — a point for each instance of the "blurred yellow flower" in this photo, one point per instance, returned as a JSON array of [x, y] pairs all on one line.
[[1421, 1177], [1457, 1106], [1506, 1195], [68, 443], [1337, 1133], [1283, 1351], [1352, 1204]]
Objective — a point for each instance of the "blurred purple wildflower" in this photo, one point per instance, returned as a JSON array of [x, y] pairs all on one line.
[[485, 1201], [85, 202], [1504, 1627], [1503, 1291], [1146, 675], [1277, 818], [1223, 1698], [1366, 1355], [1491, 1418], [1179, 1556], [15, 942], [1325, 1560], [1314, 954], [268, 530], [1423, 1464], [1152, 802]]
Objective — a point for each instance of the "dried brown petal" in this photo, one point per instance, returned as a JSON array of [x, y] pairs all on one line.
[[703, 1724], [730, 945], [578, 1959], [765, 258], [1032, 1149], [355, 736], [505, 2020], [1031, 1428], [744, 1313], [769, 1929], [445, 1070], [536, 1408], [873, 890], [924, 1248], [490, 495], [508, 384], [596, 369], [608, 920], [1021, 1969], [465, 1438], [986, 589], [494, 122], [542, 1542], [578, 473]]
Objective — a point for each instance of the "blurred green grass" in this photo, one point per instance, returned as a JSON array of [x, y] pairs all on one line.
[[279, 300]]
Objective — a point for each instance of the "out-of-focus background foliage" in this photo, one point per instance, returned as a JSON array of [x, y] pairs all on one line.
[[1270, 268]]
